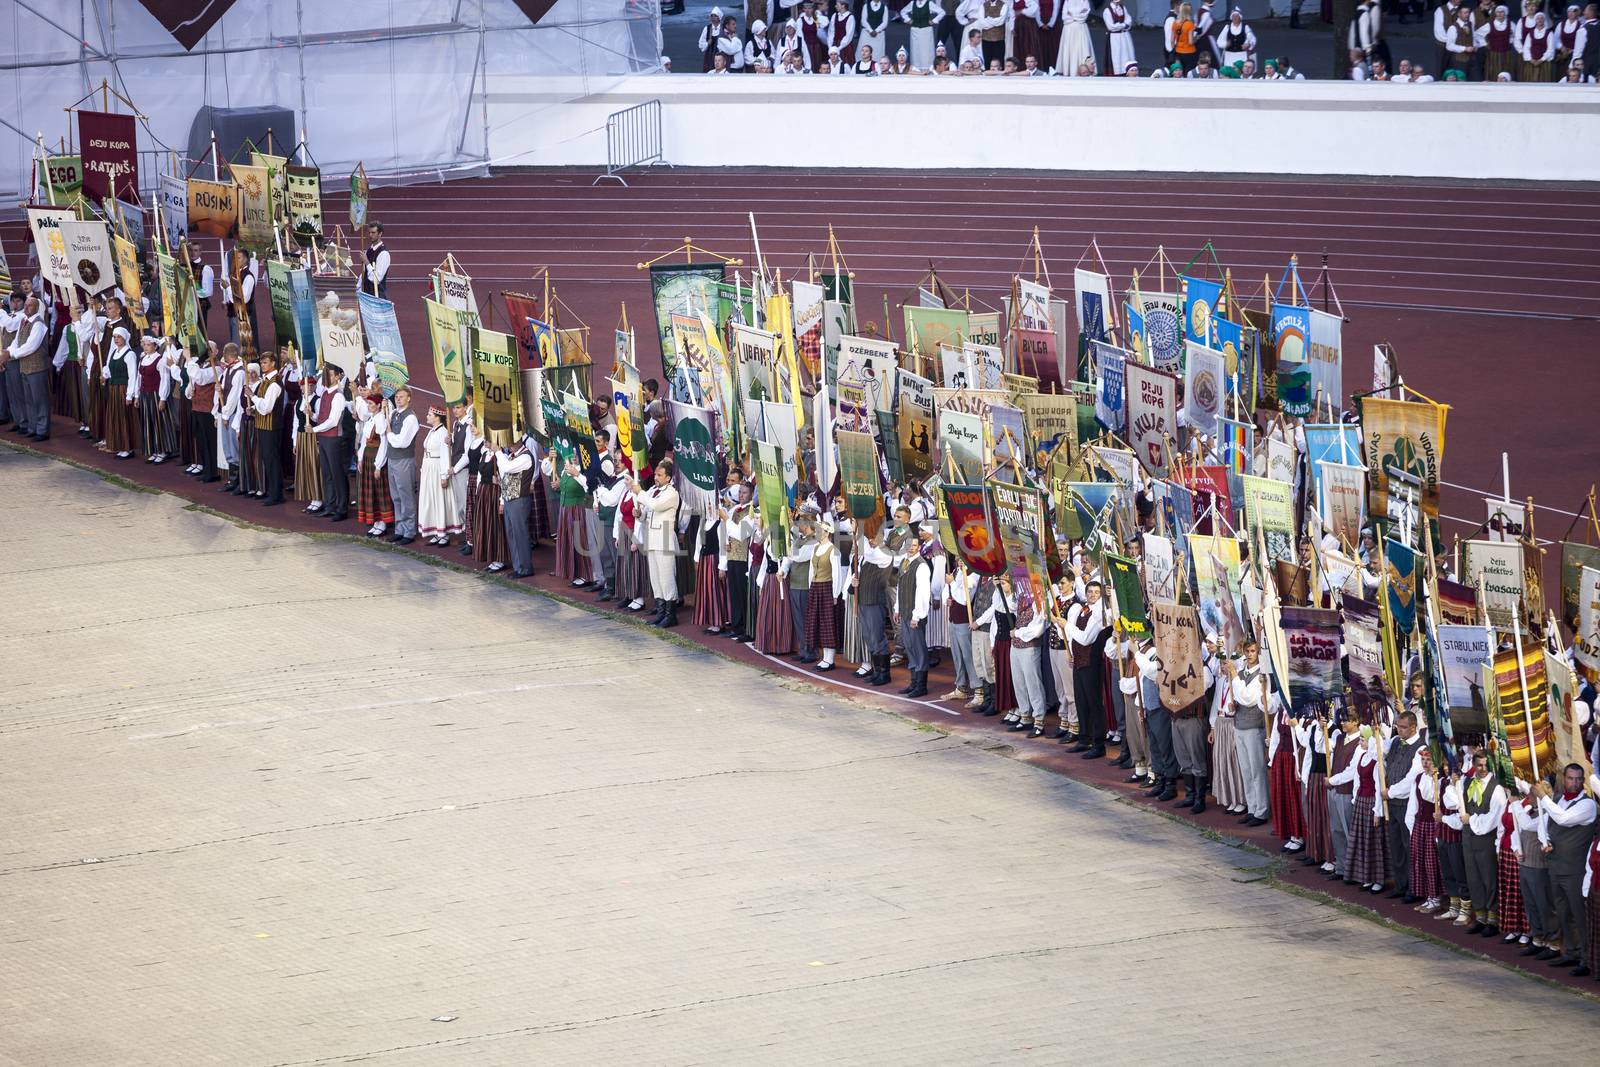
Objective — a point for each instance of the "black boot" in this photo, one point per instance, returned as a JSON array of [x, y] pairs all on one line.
[[880, 671], [919, 684], [1188, 798], [988, 702], [1156, 789], [659, 613], [1199, 795], [1168, 789], [670, 619]]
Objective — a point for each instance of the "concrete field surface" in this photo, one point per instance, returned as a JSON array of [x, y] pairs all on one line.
[[279, 800]]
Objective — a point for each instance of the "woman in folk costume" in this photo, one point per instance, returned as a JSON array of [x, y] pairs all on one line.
[[117, 375], [1535, 44], [1076, 46], [488, 528], [795, 572], [151, 389], [1499, 54], [67, 363], [923, 16], [811, 32], [1235, 41], [708, 39], [1310, 736], [758, 49], [1366, 864], [1047, 26], [633, 569], [657, 509], [841, 31], [1571, 38], [436, 504], [1119, 38], [573, 550], [374, 508], [791, 41], [711, 611], [1283, 780], [93, 343], [1423, 824], [251, 479], [998, 619], [774, 627], [1227, 777], [307, 464], [1023, 31], [1508, 895], [875, 27], [824, 621]]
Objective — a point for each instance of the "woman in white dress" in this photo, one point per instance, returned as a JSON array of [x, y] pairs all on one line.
[[1076, 46], [923, 17], [436, 504]]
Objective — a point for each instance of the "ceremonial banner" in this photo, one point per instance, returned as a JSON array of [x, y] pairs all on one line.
[[1574, 558], [1517, 712], [110, 149], [213, 207], [1202, 302], [1006, 434], [1238, 368], [167, 280], [1110, 397], [1179, 674], [858, 472], [1291, 332], [1400, 567], [1133, 334], [889, 438], [1216, 584], [985, 367], [339, 329], [1238, 444], [1495, 567], [1094, 303], [128, 274], [1160, 575], [1507, 520], [808, 333], [780, 426], [871, 365], [282, 302], [88, 248], [1269, 509], [444, 331], [360, 190], [1209, 488], [304, 189], [1052, 421], [1463, 652], [961, 444], [1036, 352], [1343, 501], [173, 205], [1327, 360], [1163, 335], [1203, 388], [774, 500], [983, 328], [254, 197], [1561, 688], [494, 384], [680, 288], [1129, 593], [1313, 636], [785, 368], [1152, 415], [383, 341], [1363, 646], [696, 458], [1331, 443], [1280, 459], [1404, 443], [822, 431], [929, 328], [1458, 603], [303, 301], [754, 351], [977, 537], [63, 178], [915, 425], [187, 316], [1019, 516], [855, 414], [55, 265], [126, 219]]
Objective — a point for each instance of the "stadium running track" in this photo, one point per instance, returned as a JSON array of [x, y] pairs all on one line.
[[1489, 294]]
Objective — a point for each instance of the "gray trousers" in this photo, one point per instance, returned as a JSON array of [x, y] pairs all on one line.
[[1251, 747], [874, 628], [799, 599], [983, 655], [36, 401], [1189, 744], [961, 655], [230, 446], [1399, 841], [914, 639], [1339, 807], [602, 534], [15, 399], [517, 539], [1028, 686], [403, 491], [1483, 870], [1158, 731], [1566, 896], [1536, 902]]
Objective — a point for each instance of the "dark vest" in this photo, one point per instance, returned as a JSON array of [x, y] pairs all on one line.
[[1569, 847], [1478, 807], [872, 588], [908, 587], [1398, 762]]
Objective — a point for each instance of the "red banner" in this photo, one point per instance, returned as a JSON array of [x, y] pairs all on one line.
[[1210, 486], [972, 522], [110, 150], [188, 20], [525, 323]]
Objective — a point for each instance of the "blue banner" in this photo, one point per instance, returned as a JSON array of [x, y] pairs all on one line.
[[383, 341], [1110, 399], [1323, 446], [1401, 564], [304, 303], [1202, 301], [1291, 338], [1241, 376], [1134, 341]]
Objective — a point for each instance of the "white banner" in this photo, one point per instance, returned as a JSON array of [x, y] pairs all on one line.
[[1152, 415], [1203, 390], [1327, 360], [45, 222], [88, 247], [339, 331]]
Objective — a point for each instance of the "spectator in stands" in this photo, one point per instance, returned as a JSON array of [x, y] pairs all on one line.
[[1203, 67], [1462, 42], [719, 64], [1248, 71], [972, 51], [1536, 47], [923, 16], [1236, 40], [1380, 71], [729, 47], [841, 29], [758, 49], [1183, 31], [875, 27], [1571, 36], [1077, 46], [1131, 70], [708, 39], [1358, 65], [794, 62], [1575, 74], [901, 65], [1119, 37]]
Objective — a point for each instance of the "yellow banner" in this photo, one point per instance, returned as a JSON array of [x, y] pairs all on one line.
[[444, 328], [780, 321], [1404, 443]]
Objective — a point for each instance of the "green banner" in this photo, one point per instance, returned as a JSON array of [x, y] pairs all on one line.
[[858, 472], [774, 497], [281, 292], [444, 329], [64, 177], [1129, 591]]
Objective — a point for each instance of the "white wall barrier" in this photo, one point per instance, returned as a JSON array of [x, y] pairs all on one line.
[[1458, 131]]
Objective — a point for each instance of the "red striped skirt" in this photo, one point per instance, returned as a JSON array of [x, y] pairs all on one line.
[[1319, 833], [710, 594], [1284, 793], [1426, 881], [1367, 861], [1005, 695], [633, 570], [572, 544], [824, 619], [1512, 916], [488, 525], [774, 631], [373, 504]]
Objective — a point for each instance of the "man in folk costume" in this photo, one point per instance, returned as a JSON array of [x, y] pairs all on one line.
[[1119, 38], [841, 27], [1087, 631], [811, 32], [875, 595], [328, 427], [514, 470], [994, 20], [399, 430], [1589, 53], [1462, 42], [913, 601], [1400, 760], [1248, 691], [1483, 800], [1570, 826], [27, 351], [269, 427], [923, 16], [1235, 42], [1204, 22], [13, 404], [657, 507], [737, 527], [875, 27], [1026, 641], [374, 276]]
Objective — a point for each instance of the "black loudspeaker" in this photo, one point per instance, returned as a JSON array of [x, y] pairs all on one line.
[[236, 125]]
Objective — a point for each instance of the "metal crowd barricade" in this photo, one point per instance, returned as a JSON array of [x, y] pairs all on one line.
[[633, 139]]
